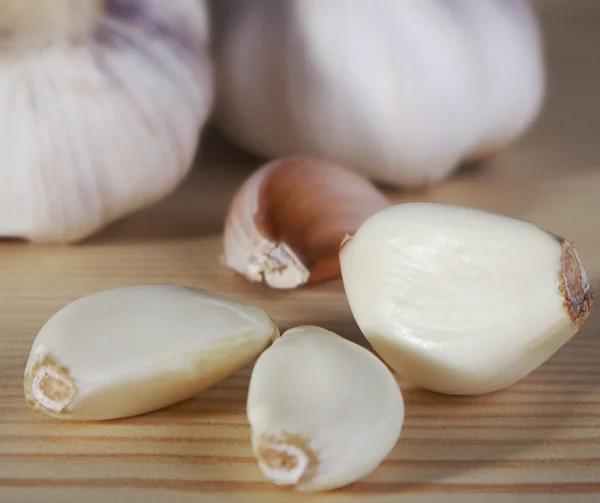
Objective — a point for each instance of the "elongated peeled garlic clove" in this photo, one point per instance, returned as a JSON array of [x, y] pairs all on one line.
[[132, 350], [462, 301], [285, 223], [102, 105], [401, 91], [324, 411]]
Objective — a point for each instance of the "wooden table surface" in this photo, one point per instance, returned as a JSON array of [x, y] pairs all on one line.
[[536, 441]]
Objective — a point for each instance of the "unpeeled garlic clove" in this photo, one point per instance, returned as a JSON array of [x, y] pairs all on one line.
[[132, 350], [324, 411], [463, 301], [285, 223]]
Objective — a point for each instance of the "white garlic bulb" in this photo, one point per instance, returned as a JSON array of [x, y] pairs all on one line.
[[324, 411], [102, 104], [401, 91], [462, 301]]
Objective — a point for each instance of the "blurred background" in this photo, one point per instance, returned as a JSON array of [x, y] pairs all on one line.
[[550, 173], [448, 101]]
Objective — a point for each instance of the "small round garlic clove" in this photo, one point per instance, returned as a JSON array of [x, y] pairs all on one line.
[[324, 411], [132, 350], [463, 301], [285, 223]]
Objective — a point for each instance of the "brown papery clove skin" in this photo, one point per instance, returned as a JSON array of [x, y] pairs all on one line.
[[286, 222]]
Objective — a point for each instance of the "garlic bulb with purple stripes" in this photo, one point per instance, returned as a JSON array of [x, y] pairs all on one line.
[[102, 103]]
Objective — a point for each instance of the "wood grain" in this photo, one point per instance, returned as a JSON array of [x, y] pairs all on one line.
[[538, 441]]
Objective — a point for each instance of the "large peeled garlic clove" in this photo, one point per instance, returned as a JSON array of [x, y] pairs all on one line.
[[463, 301], [324, 411], [102, 103], [401, 91], [133, 350], [285, 223]]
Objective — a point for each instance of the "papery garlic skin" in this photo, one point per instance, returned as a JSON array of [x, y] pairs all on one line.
[[33, 24], [102, 110], [462, 301], [132, 350], [401, 91], [285, 223], [324, 411]]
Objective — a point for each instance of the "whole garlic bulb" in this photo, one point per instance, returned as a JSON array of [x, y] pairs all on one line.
[[102, 104], [399, 90]]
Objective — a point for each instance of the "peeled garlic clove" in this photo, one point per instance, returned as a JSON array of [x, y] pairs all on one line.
[[132, 350], [324, 411], [462, 301], [285, 223], [401, 91], [102, 105]]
